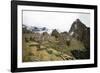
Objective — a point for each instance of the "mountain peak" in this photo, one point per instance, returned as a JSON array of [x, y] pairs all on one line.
[[77, 21], [77, 25]]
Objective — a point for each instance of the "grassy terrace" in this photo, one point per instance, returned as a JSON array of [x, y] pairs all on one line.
[[49, 50]]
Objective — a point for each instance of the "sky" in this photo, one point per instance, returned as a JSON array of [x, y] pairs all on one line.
[[61, 21]]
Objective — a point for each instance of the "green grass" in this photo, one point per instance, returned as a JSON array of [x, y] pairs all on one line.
[[52, 49]]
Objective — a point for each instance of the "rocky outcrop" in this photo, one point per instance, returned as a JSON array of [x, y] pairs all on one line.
[[55, 33], [81, 32]]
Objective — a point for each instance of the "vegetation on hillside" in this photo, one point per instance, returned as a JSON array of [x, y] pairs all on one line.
[[56, 46]]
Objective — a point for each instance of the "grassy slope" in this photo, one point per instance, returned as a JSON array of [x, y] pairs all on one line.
[[49, 50]]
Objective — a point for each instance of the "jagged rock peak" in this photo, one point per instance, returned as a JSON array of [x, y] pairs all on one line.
[[77, 21]]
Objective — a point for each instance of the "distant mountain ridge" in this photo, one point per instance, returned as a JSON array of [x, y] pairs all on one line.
[[34, 28]]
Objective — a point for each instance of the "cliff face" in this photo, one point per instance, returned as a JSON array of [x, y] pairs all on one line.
[[80, 32]]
